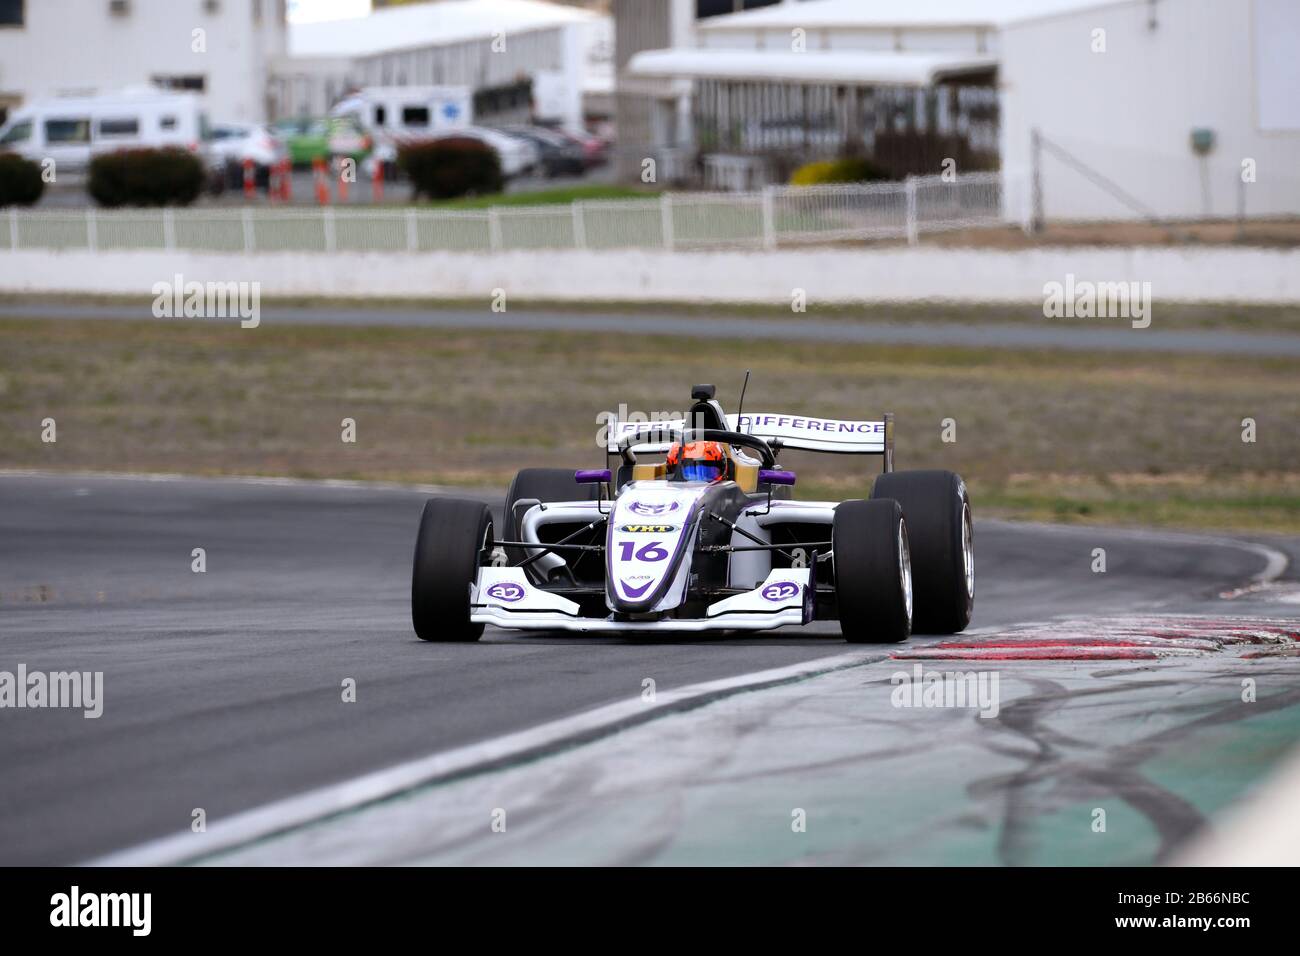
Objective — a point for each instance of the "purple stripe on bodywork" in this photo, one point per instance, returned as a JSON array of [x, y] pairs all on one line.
[[635, 593]]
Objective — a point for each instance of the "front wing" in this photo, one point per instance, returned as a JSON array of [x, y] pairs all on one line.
[[505, 597]]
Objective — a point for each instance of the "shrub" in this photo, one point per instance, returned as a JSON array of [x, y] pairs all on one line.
[[452, 167], [146, 177], [20, 181], [847, 169]]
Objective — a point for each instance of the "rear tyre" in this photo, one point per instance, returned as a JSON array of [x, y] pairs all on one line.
[[454, 541], [873, 572], [937, 509], [546, 485]]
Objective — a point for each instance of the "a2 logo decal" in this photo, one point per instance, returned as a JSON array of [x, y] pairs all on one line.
[[506, 591], [780, 591]]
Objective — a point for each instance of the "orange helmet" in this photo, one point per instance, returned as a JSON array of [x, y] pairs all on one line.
[[698, 460]]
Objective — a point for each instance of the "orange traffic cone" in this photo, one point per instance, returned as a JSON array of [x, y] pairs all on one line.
[[341, 170], [322, 184]]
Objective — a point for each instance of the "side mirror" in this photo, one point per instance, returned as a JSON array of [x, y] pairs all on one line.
[[591, 476], [773, 477]]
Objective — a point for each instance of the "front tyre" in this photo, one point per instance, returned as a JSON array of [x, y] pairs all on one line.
[[454, 541], [873, 572], [545, 485], [937, 509]]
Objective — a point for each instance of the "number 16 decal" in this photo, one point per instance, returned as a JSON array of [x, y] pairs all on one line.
[[650, 552]]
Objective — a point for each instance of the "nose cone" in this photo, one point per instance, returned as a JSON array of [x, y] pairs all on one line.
[[649, 536]]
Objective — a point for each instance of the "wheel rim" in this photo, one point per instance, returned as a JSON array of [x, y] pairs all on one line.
[[905, 569], [967, 550]]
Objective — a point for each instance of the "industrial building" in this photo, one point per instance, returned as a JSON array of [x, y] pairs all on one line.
[[220, 49], [523, 59], [1090, 108]]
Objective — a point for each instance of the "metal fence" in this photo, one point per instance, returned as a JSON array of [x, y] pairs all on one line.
[[776, 216]]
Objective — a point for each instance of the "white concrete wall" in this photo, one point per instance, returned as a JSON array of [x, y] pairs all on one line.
[[1217, 274], [78, 46], [1128, 112]]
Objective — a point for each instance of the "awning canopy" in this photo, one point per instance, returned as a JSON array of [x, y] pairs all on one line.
[[882, 15], [851, 67], [421, 25]]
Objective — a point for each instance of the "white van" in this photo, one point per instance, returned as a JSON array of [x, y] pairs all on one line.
[[405, 113], [396, 115], [73, 129]]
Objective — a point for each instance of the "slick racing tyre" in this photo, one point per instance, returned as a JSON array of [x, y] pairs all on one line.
[[454, 541], [873, 572], [937, 510], [544, 485]]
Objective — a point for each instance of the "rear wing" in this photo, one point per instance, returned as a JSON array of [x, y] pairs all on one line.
[[836, 436]]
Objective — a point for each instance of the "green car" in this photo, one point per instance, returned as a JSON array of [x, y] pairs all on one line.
[[309, 139]]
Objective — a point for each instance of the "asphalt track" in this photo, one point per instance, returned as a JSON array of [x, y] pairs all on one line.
[[222, 690], [1104, 335]]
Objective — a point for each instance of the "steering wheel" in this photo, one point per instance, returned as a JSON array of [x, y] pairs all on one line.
[[752, 442]]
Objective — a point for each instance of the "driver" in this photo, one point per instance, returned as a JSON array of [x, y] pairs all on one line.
[[698, 461]]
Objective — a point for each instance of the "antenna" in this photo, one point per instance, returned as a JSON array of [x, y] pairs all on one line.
[[741, 405]]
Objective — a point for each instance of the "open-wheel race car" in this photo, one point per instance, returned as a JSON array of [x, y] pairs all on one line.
[[708, 538]]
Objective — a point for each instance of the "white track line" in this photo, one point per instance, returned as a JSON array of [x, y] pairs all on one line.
[[1263, 830], [281, 815]]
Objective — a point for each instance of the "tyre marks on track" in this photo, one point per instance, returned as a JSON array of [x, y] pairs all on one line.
[[1062, 768]]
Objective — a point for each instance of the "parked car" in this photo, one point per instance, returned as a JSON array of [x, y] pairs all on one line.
[[71, 130], [326, 138], [305, 138], [559, 156], [233, 143], [595, 151], [518, 157]]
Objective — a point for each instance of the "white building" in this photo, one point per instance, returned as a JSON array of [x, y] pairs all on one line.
[[522, 58], [218, 48], [652, 113], [1144, 107], [1222, 73]]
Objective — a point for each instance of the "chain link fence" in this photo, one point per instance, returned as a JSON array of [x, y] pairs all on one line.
[[775, 216]]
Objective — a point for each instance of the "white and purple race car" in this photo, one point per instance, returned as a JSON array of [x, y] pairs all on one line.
[[707, 539]]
